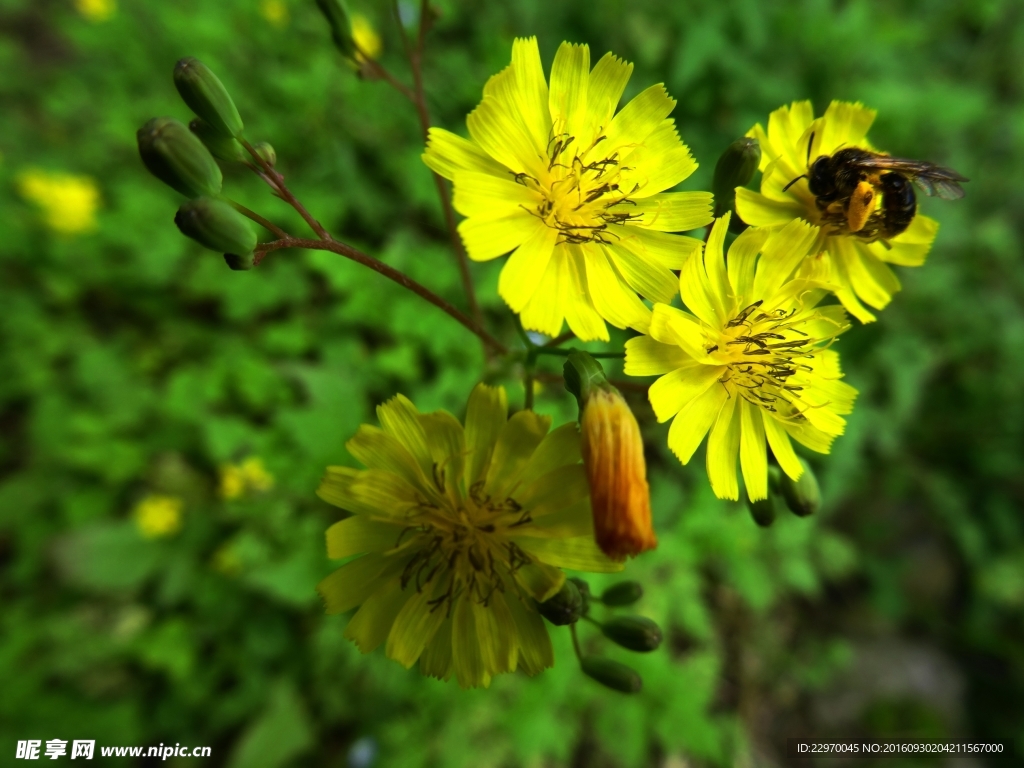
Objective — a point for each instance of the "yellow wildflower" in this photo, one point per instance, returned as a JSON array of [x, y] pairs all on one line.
[[238, 479], [69, 202], [275, 12], [96, 10], [365, 36], [158, 516], [858, 268], [458, 527], [574, 189], [752, 360]]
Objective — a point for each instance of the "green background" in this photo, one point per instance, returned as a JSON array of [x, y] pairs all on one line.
[[133, 362]]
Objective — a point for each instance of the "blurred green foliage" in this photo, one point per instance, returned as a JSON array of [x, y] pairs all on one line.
[[133, 362]]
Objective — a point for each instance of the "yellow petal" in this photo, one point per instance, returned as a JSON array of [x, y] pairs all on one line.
[[648, 278], [525, 268], [659, 163], [693, 422], [358, 534], [436, 660], [545, 312], [786, 126], [753, 453], [559, 448], [781, 255], [535, 653], [496, 631], [844, 290], [782, 449], [719, 290], [367, 492], [488, 237], [554, 491], [810, 436], [467, 656], [572, 521], [484, 194], [376, 449], [677, 389], [612, 298], [845, 125], [668, 250], [723, 445], [531, 87], [696, 291], [674, 326], [541, 581], [742, 260], [414, 627], [504, 137], [874, 282], [447, 445], [400, 419], [638, 120], [351, 584], [372, 623], [448, 153], [580, 314], [671, 211], [570, 76], [607, 82], [579, 553], [758, 211], [516, 443], [486, 414], [646, 356], [909, 249]]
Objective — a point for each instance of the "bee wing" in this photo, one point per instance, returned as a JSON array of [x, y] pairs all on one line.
[[932, 179]]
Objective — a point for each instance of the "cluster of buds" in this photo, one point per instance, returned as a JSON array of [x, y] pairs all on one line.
[[801, 496], [185, 159], [634, 633]]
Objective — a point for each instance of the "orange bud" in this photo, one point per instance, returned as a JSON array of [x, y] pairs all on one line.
[[613, 454]]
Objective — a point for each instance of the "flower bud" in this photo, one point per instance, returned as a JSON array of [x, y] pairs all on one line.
[[735, 168], [637, 633], [623, 593], [240, 262], [612, 674], [565, 607], [178, 158], [613, 454], [264, 150], [764, 510], [341, 26], [206, 95], [216, 225], [584, 589], [222, 147], [803, 496]]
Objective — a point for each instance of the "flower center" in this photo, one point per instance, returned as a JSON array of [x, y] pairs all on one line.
[[462, 548], [578, 192], [762, 352]]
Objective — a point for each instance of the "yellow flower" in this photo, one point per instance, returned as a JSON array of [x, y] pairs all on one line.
[[256, 475], [752, 360], [275, 12], [365, 36], [96, 10], [858, 269], [232, 482], [250, 475], [613, 453], [458, 528], [574, 189], [158, 516], [69, 202]]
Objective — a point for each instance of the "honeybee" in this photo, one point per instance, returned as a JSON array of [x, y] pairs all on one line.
[[846, 183]]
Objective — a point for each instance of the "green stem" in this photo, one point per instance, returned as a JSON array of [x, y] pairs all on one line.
[[565, 353], [575, 641], [258, 219]]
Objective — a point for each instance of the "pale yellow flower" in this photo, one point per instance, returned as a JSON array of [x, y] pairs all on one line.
[[275, 12], [158, 516], [256, 475], [68, 202], [365, 36], [238, 479], [232, 482], [96, 10]]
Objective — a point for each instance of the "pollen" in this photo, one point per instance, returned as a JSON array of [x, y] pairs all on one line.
[[579, 189]]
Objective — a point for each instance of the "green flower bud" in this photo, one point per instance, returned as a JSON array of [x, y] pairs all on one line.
[[222, 147], [623, 593], [178, 158], [341, 26], [765, 510], [612, 674], [216, 225], [240, 262], [637, 633], [803, 496], [735, 168], [206, 95], [264, 150], [582, 375], [565, 607], [584, 589]]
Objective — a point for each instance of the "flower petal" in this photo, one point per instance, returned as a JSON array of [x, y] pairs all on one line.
[[367, 491], [448, 153], [525, 268], [554, 491], [570, 76], [637, 120], [372, 623], [496, 631], [646, 356], [486, 415], [535, 652], [559, 448], [579, 553], [436, 659], [612, 298], [872, 281], [351, 584], [651, 280], [845, 125], [414, 627], [782, 449], [359, 534], [545, 312], [742, 261], [909, 249], [677, 389], [504, 137], [446, 441], [759, 211], [487, 237], [674, 326], [516, 443], [376, 449], [580, 313], [400, 419], [781, 255], [668, 250], [657, 164], [531, 87], [483, 194], [693, 422], [671, 211], [607, 82], [723, 445], [753, 453]]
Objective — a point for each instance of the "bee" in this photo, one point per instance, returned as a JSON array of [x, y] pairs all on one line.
[[845, 186]]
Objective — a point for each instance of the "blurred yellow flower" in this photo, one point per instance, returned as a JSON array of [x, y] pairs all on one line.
[[238, 479], [158, 516], [96, 10], [226, 560], [275, 12], [68, 202], [365, 36]]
